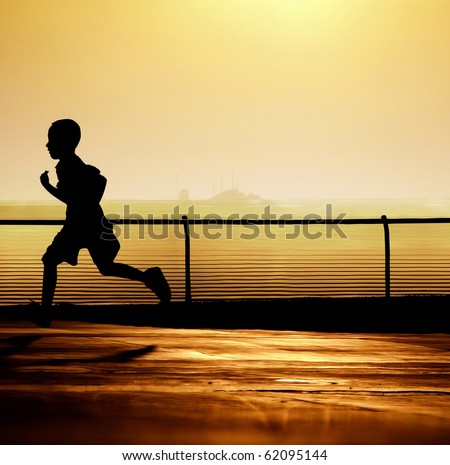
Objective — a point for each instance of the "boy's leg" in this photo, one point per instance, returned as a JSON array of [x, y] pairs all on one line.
[[63, 248], [49, 284], [103, 253], [120, 270], [44, 316], [153, 278]]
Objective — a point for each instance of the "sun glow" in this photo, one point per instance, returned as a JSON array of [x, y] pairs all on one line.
[[324, 98]]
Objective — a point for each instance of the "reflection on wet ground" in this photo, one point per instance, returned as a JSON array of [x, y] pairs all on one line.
[[90, 383]]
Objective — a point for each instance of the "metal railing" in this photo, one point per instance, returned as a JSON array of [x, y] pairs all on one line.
[[186, 222]]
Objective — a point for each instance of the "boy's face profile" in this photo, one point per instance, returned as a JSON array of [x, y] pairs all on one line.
[[55, 145]]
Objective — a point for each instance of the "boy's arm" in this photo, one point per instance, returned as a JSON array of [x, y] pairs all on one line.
[[101, 188], [51, 189]]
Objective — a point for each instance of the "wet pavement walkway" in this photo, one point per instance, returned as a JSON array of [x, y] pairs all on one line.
[[91, 383]]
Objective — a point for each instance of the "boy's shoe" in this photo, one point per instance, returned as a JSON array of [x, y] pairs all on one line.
[[41, 316], [156, 282]]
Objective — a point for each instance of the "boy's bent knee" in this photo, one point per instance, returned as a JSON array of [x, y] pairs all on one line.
[[49, 260], [105, 269]]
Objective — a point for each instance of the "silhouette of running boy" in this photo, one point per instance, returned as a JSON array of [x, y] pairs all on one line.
[[81, 187]]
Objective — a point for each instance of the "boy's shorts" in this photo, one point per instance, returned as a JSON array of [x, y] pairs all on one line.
[[69, 241]]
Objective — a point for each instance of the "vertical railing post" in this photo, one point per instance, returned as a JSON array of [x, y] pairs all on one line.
[[187, 260], [387, 256]]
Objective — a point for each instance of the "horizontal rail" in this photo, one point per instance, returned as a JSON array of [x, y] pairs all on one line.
[[238, 221], [185, 221]]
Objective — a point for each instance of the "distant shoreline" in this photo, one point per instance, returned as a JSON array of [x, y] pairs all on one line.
[[355, 208]]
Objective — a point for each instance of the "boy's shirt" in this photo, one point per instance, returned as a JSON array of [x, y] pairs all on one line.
[[82, 187]]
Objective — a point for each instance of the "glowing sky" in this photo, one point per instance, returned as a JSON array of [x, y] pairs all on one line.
[[285, 98]]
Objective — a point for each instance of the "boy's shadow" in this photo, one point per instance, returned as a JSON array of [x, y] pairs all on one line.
[[13, 345], [121, 356], [17, 344]]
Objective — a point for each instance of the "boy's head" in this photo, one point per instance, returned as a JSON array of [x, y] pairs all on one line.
[[63, 137]]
